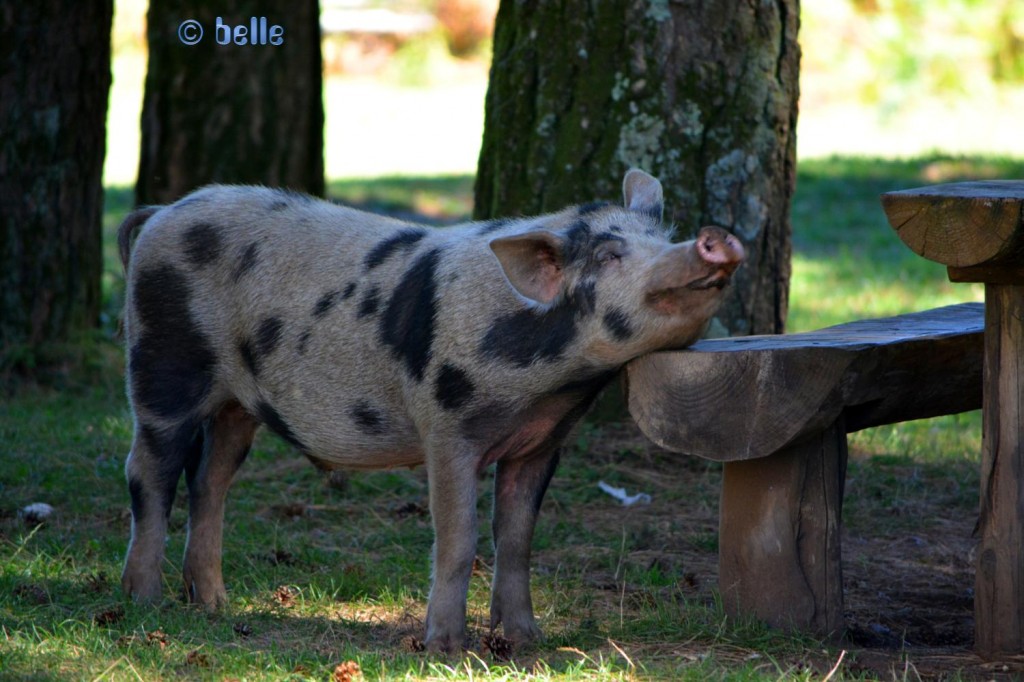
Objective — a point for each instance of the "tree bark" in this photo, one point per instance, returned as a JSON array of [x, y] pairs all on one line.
[[231, 113], [54, 81], [703, 95]]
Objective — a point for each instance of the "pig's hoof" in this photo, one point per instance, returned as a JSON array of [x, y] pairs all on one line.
[[444, 643], [209, 598], [522, 634], [142, 587]]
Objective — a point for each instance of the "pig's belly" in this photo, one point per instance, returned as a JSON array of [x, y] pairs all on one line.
[[368, 459], [347, 433], [340, 446]]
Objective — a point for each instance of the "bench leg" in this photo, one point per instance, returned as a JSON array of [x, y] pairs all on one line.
[[779, 550], [999, 578]]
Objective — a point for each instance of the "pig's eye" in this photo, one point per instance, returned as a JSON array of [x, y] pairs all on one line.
[[609, 254]]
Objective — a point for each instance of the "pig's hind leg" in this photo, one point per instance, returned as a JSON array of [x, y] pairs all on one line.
[[228, 437], [519, 487], [158, 456]]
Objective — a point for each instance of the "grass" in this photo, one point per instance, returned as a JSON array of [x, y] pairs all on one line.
[[321, 571]]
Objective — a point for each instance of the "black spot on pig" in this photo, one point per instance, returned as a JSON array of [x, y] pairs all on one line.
[[172, 451], [526, 337], [172, 362], [492, 226], [304, 341], [368, 419], [268, 336], [607, 237], [266, 413], [593, 207], [246, 262], [453, 387], [350, 289], [325, 303], [616, 229], [581, 245], [577, 242], [407, 325], [405, 239], [529, 336], [654, 212], [139, 497], [202, 244], [245, 349], [585, 297], [370, 303], [617, 323]]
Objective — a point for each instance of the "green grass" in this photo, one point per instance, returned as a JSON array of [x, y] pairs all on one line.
[[319, 574]]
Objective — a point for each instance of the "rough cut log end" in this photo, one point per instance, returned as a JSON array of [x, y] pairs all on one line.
[[963, 224]]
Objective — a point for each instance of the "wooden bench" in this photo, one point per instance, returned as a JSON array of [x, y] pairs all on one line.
[[776, 410]]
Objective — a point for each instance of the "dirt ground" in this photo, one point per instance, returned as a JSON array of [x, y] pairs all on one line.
[[908, 597]]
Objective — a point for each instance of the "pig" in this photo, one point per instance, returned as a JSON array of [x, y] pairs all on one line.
[[367, 342]]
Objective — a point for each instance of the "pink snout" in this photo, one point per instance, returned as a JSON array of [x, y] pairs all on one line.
[[717, 247]]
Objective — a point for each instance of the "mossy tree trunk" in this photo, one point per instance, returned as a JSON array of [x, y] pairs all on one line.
[[54, 81], [701, 94], [234, 113]]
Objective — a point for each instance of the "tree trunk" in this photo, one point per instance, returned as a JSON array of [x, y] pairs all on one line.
[[54, 80], [703, 95], [231, 113]]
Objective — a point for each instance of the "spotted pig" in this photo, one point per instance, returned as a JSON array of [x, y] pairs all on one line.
[[367, 342]]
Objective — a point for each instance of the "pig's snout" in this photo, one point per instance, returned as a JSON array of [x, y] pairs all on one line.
[[717, 247]]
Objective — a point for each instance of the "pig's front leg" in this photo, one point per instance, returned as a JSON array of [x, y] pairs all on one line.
[[451, 471], [519, 487]]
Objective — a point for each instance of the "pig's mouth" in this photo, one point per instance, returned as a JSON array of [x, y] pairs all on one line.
[[716, 280]]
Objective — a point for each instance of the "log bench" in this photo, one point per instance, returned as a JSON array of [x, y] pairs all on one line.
[[776, 410]]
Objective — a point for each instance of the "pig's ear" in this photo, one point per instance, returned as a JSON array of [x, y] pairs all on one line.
[[643, 193], [532, 263]]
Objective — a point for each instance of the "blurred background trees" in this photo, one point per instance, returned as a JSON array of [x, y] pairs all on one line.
[[231, 113], [403, 89]]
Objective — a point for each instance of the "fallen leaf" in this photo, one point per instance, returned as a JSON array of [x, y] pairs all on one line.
[[158, 637]]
